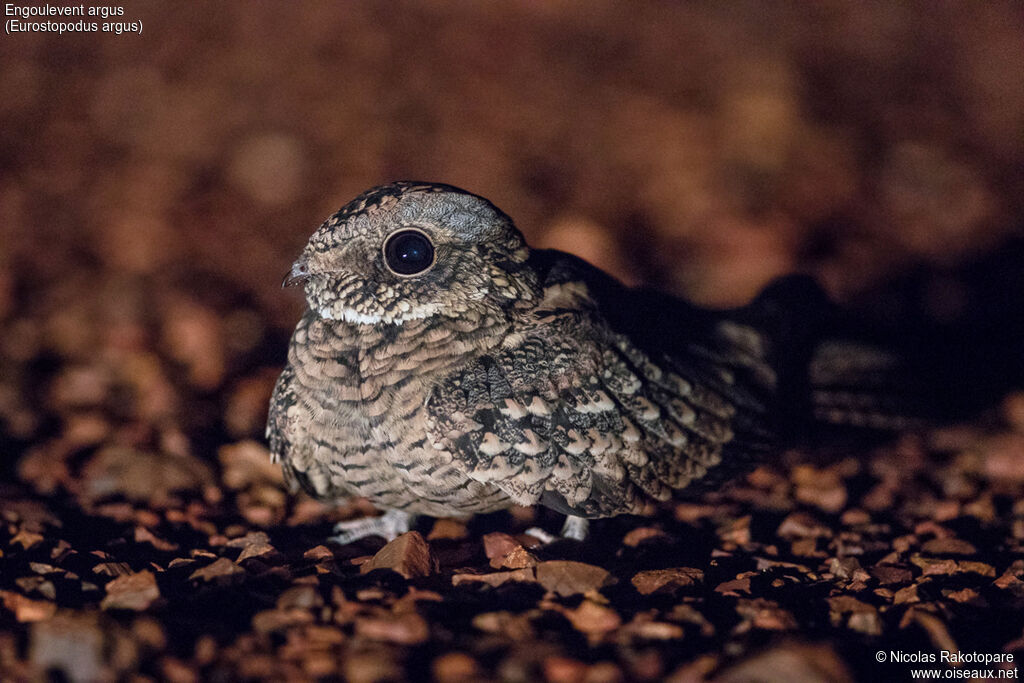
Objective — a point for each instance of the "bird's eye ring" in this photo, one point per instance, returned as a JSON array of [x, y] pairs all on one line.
[[408, 252]]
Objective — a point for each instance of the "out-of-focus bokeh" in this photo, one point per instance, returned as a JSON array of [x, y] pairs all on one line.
[[701, 146], [154, 189]]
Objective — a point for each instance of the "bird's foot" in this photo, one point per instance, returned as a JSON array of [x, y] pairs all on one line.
[[389, 526], [574, 529]]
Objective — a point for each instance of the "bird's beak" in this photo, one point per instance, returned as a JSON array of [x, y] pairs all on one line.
[[298, 274]]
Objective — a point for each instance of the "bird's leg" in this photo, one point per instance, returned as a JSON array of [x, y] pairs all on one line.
[[388, 526], [575, 529]]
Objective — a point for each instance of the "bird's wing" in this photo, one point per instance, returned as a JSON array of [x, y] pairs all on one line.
[[280, 425], [571, 414]]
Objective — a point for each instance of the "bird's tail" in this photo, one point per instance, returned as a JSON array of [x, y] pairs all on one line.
[[859, 384], [832, 372]]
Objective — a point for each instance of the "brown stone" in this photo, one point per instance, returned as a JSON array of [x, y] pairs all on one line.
[[888, 575], [637, 536], [593, 619], [802, 525], [736, 531], [868, 623], [931, 566], [498, 544], [656, 630], [247, 463], [448, 529], [455, 667], [279, 619], [26, 539], [300, 597], [262, 550], [320, 552], [735, 587], [651, 581], [791, 662], [509, 624], [251, 538], [409, 555], [497, 578], [26, 609], [821, 488], [765, 614], [948, 546], [405, 629], [519, 558], [566, 577], [143, 476], [221, 569], [133, 592], [144, 535], [906, 595], [847, 569], [963, 595], [970, 567]]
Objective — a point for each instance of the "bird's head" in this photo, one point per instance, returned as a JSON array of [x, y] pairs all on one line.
[[409, 251]]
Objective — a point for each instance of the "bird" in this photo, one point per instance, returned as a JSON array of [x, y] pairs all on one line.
[[443, 367]]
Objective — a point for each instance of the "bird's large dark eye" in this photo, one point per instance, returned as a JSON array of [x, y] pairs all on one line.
[[408, 252]]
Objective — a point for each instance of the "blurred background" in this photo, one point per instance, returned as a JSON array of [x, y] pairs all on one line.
[[155, 187]]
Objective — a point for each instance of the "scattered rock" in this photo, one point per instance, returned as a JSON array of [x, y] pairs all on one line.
[[247, 463], [565, 577], [847, 569], [513, 626], [593, 619], [455, 667], [651, 581], [906, 595], [320, 552], [300, 597], [271, 620], [132, 592], [802, 525], [764, 614], [261, 550], [220, 570], [409, 555], [736, 531], [404, 629], [497, 578], [888, 575], [736, 587], [805, 663], [846, 610], [27, 539], [144, 535], [245, 415], [822, 488], [497, 545], [26, 609], [142, 476], [948, 546], [635, 537], [448, 529]]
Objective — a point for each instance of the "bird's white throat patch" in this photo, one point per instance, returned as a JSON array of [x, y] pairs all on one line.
[[354, 317]]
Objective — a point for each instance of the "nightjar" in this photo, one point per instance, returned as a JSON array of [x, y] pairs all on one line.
[[443, 367]]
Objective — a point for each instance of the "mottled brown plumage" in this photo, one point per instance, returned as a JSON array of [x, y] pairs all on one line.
[[502, 375]]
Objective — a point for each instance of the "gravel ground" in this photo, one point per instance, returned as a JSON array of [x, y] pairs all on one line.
[[155, 187]]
